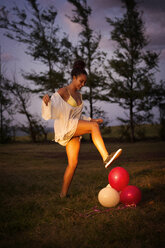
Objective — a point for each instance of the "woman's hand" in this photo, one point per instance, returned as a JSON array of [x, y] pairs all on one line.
[[99, 121], [46, 99]]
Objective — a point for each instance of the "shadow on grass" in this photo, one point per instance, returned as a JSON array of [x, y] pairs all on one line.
[[145, 172], [155, 194]]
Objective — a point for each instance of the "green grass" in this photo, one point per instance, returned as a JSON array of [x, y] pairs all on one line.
[[33, 215]]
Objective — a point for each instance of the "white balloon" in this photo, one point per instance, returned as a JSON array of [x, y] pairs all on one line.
[[109, 186], [108, 197]]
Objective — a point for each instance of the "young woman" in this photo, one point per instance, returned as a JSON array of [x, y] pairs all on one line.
[[65, 107]]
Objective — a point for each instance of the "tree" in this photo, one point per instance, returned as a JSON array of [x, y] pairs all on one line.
[[158, 100], [33, 126], [36, 28], [88, 50], [131, 69], [6, 110]]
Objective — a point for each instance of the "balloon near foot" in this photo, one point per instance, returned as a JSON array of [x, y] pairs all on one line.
[[118, 178], [108, 197], [130, 195]]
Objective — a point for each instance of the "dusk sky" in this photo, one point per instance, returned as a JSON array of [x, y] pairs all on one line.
[[15, 59]]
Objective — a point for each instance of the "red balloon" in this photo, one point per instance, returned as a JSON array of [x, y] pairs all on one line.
[[130, 195], [118, 178]]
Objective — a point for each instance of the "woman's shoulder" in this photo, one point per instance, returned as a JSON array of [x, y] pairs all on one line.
[[63, 93]]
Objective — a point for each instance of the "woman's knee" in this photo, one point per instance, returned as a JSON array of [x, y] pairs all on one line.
[[95, 125]]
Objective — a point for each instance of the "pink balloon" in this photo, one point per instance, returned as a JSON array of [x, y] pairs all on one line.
[[130, 195], [118, 178]]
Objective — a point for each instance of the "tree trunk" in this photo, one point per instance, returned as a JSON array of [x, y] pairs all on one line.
[[32, 134], [132, 123], [91, 103]]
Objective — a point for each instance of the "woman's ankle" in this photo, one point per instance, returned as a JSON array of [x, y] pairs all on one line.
[[62, 195], [105, 157]]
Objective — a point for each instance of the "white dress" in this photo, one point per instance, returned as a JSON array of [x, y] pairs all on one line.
[[66, 117]]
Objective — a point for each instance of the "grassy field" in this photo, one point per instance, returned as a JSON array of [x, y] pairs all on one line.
[[33, 215], [150, 131]]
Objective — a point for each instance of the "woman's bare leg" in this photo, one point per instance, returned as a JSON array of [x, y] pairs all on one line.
[[72, 150], [93, 128]]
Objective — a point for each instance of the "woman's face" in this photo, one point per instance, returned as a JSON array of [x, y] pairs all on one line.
[[80, 81]]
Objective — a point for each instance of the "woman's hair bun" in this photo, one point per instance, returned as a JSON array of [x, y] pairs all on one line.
[[78, 68], [79, 64]]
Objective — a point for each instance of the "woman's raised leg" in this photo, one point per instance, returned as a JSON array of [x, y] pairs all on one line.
[[93, 128], [72, 150]]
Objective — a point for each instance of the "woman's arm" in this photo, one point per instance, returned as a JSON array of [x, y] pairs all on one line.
[[46, 108], [99, 121], [51, 107]]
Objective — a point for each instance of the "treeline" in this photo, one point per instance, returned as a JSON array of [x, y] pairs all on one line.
[[127, 78]]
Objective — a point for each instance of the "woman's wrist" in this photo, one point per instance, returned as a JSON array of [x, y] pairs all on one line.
[[97, 120]]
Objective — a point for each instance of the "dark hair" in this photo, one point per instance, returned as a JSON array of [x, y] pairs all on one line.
[[78, 68]]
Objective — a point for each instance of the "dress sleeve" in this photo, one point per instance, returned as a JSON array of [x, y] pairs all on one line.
[[53, 109], [46, 111]]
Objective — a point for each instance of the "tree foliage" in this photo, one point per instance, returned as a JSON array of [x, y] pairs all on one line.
[[36, 27], [131, 69], [6, 108], [33, 125], [88, 50]]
